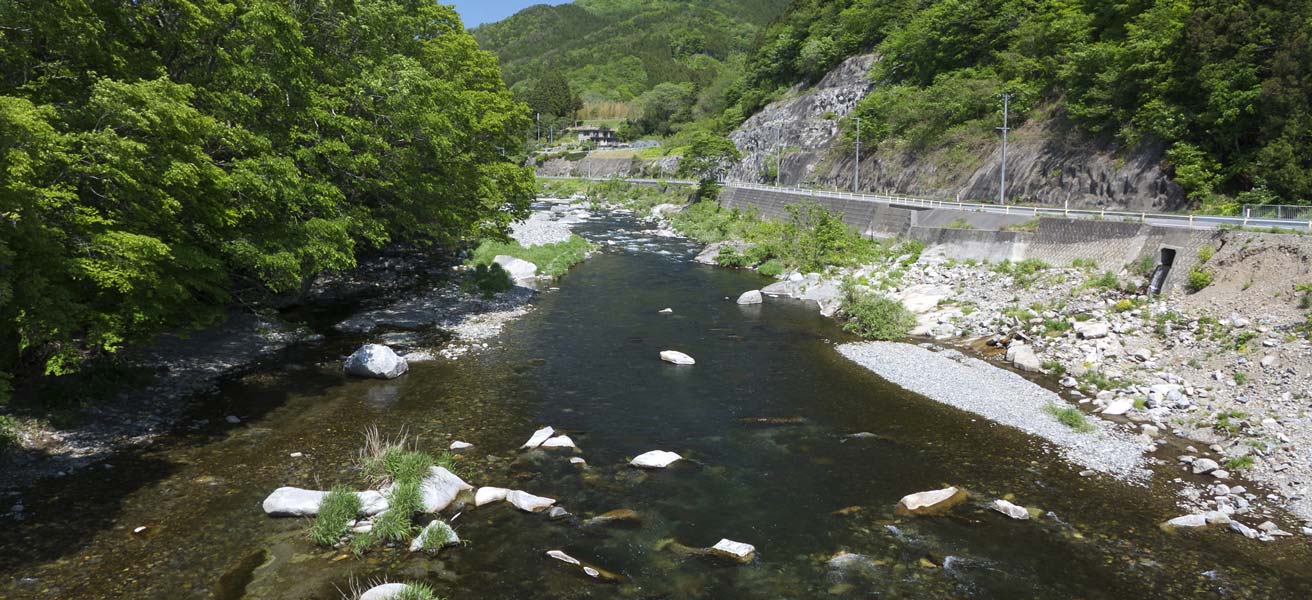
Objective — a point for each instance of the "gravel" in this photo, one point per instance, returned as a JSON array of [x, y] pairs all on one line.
[[1002, 396], [547, 227]]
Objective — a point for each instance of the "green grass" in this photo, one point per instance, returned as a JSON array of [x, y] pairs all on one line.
[[959, 223], [488, 280], [1198, 279], [1123, 305], [1097, 380], [417, 591], [1056, 327], [1107, 282], [1206, 253], [338, 508], [1229, 421], [1239, 463], [771, 268], [437, 536], [8, 434], [1087, 264], [1028, 226], [877, 317], [1071, 417], [1054, 368], [553, 260], [1241, 378]]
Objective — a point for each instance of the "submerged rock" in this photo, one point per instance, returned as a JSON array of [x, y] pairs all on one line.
[[517, 268], [619, 517], [589, 570], [676, 357], [297, 502], [656, 459], [1011, 510], [375, 361], [737, 551], [931, 503], [538, 437], [752, 297]]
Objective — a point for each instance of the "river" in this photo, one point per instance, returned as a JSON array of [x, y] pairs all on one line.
[[585, 361]]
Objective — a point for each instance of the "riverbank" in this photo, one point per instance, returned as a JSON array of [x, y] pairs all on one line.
[[414, 301]]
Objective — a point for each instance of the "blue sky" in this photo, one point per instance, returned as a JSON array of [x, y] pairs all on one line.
[[477, 12]]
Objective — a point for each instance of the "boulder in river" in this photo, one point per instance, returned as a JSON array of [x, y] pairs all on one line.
[[656, 459], [931, 503], [1203, 466], [1119, 407], [517, 268], [538, 437], [589, 570], [623, 517], [667, 311], [488, 495], [386, 591], [297, 502], [528, 502], [736, 551], [560, 441], [1011, 510], [440, 488], [435, 536], [676, 357], [1024, 358], [457, 446], [375, 361], [752, 297]]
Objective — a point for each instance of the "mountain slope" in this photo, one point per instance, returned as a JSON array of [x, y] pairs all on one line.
[[614, 50]]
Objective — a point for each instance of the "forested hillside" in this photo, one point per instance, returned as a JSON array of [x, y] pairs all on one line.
[[1224, 85], [160, 160], [661, 53]]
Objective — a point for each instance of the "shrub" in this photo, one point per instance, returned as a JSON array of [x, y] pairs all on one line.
[[771, 268], [1206, 253], [8, 434], [1123, 305], [731, 258], [488, 280], [877, 318], [338, 508], [1106, 281], [1239, 463], [553, 260], [1071, 417], [1199, 278], [1056, 326]]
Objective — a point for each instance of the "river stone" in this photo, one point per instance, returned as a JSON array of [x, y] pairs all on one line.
[[656, 459], [528, 502], [437, 527], [1203, 466], [738, 551], [934, 502], [440, 488], [458, 445], [676, 357], [1025, 359], [1186, 521], [560, 441], [667, 311], [557, 513], [622, 516], [1011, 510], [538, 437], [488, 495], [1119, 407], [375, 361], [386, 591], [752, 297], [562, 557], [1092, 331], [517, 268], [577, 461], [297, 502]]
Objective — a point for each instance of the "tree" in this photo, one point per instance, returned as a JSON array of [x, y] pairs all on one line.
[[664, 105], [551, 96], [708, 159]]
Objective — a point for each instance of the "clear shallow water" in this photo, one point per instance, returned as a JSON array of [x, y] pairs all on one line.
[[585, 361]]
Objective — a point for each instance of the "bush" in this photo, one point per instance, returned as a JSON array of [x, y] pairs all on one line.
[[1198, 279], [1239, 463], [8, 434], [729, 257], [1206, 253], [488, 280], [553, 260], [338, 508], [1123, 305], [1070, 417], [877, 318], [771, 268]]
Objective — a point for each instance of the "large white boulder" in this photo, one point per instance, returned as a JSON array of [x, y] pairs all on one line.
[[656, 459], [1025, 359], [676, 357], [560, 441], [539, 437], [732, 550], [752, 297], [297, 502], [517, 268], [933, 502], [375, 361], [1011, 510], [386, 591], [1119, 407], [488, 495], [442, 533], [1092, 331], [440, 488], [528, 502]]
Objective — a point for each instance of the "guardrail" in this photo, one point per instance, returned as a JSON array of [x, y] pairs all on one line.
[[1160, 219]]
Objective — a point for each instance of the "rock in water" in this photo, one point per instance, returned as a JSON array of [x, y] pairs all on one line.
[[560, 441], [528, 502], [676, 357], [517, 268], [737, 551], [297, 502], [1187, 521], [446, 536], [667, 311], [1025, 360], [624, 517], [538, 437], [458, 446], [488, 495], [1204, 466], [1119, 407], [440, 488], [1011, 510], [386, 591], [931, 503], [656, 459], [375, 361], [562, 557], [752, 297]]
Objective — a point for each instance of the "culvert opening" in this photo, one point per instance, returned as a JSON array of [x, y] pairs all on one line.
[[1165, 260]]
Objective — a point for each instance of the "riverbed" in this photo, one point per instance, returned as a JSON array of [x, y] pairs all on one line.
[[788, 446]]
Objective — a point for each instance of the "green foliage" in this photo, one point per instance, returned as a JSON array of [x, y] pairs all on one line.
[[8, 434], [1084, 263], [959, 223], [877, 317], [488, 280], [1241, 378], [1239, 463], [553, 260], [1056, 327], [708, 159], [1092, 381], [1028, 226], [730, 257], [1107, 281], [1025, 272], [1144, 266], [1206, 253], [338, 508], [1229, 421], [1054, 368], [1123, 305], [205, 153], [771, 268], [437, 536], [1198, 279], [1071, 417], [416, 591]]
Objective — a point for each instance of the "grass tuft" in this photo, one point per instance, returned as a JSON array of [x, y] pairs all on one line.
[[338, 508], [553, 260], [1071, 417]]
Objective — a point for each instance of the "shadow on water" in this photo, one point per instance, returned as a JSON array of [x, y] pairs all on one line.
[[765, 419]]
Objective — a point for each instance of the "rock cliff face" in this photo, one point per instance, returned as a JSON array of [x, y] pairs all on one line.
[[1048, 162]]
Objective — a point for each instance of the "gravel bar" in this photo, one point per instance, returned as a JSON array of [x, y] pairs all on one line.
[[999, 395]]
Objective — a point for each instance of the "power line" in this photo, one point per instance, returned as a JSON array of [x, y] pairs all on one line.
[[1006, 107]]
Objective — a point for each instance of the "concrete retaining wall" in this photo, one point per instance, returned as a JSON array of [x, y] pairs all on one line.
[[1111, 244]]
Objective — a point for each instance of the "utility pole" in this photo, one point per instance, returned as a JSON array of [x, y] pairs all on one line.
[[856, 177], [779, 156], [539, 118], [1006, 107]]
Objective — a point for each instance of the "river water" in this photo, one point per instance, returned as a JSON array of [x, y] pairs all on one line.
[[585, 361]]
